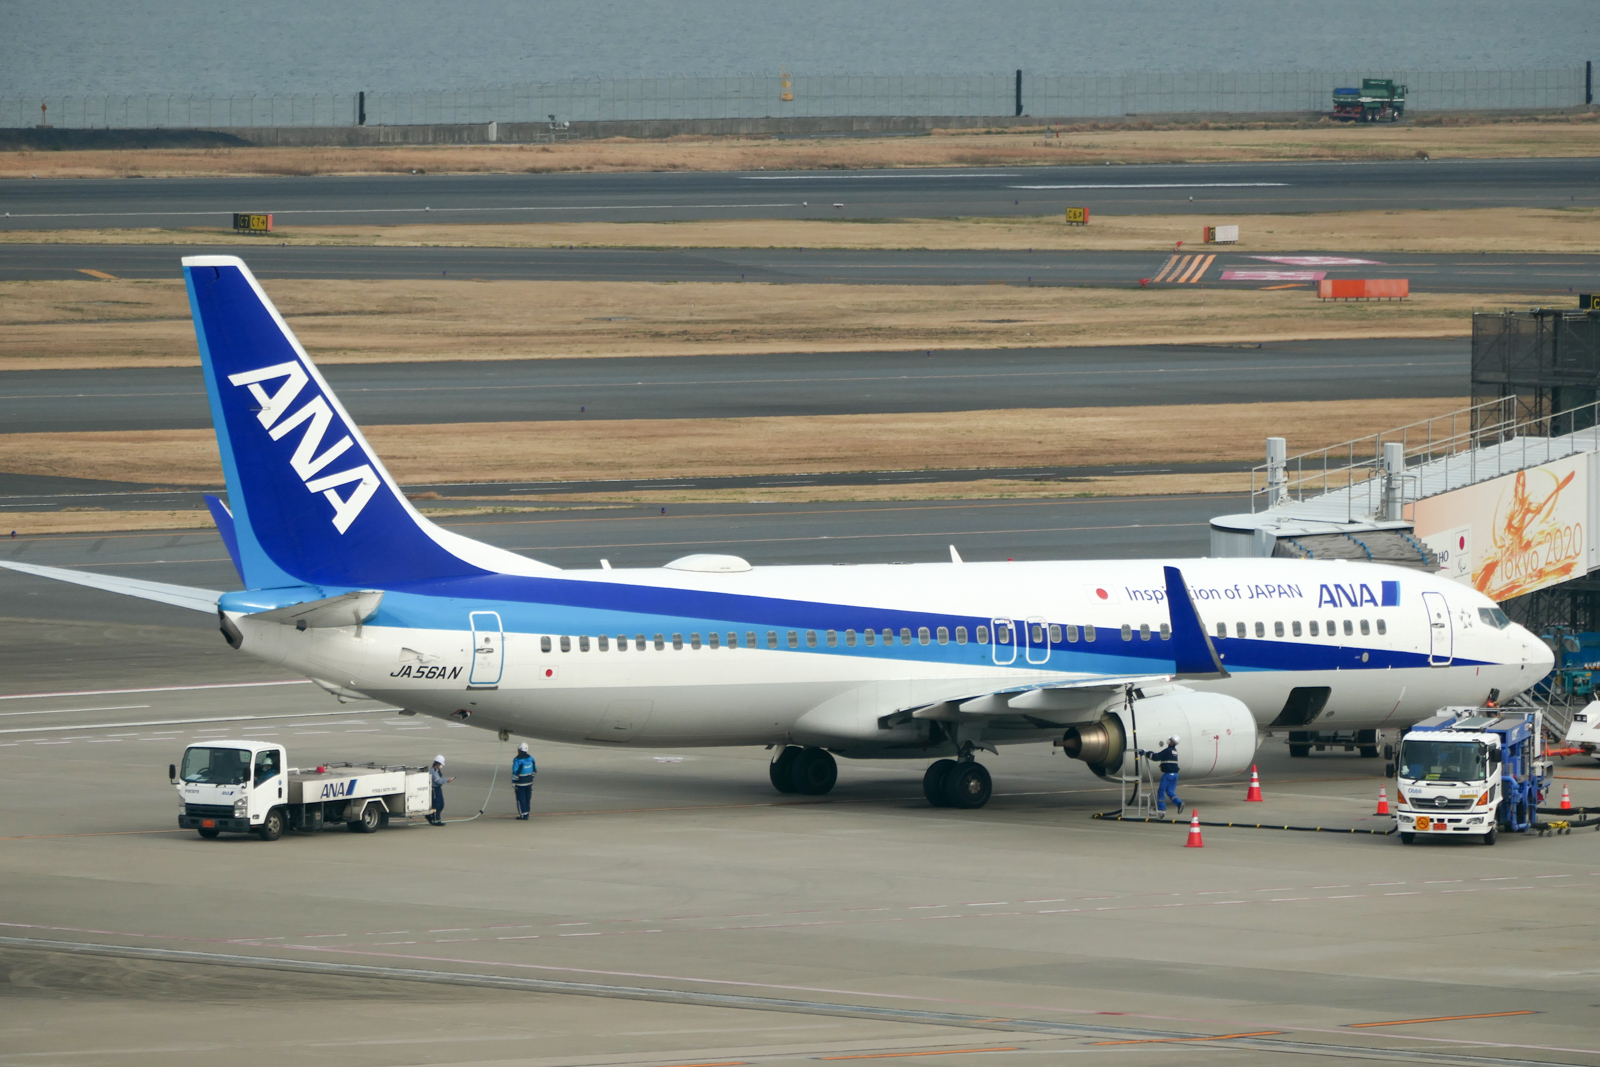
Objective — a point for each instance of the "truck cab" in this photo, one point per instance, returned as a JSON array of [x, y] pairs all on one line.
[[229, 786], [1470, 771]]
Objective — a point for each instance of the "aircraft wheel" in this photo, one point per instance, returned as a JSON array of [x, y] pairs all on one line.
[[933, 782], [968, 786], [271, 827], [210, 834], [781, 770], [814, 772]]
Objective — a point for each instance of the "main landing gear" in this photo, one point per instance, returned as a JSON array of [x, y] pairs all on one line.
[[957, 784], [811, 771]]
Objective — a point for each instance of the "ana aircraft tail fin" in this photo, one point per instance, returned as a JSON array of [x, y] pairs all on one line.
[[310, 500]]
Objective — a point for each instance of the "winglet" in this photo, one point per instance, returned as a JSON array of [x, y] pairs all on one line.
[[1193, 654], [230, 537]]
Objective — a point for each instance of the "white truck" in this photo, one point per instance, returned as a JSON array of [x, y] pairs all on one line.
[[1471, 771], [246, 787]]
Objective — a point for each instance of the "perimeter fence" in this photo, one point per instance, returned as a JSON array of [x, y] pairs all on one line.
[[1044, 96]]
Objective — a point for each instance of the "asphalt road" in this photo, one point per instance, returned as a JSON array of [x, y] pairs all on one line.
[[1213, 266], [712, 920], [845, 383], [1198, 189]]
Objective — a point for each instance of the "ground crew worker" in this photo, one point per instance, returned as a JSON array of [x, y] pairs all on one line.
[[522, 772], [437, 779], [1168, 759]]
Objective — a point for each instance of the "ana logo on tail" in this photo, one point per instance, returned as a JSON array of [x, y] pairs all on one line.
[[316, 416]]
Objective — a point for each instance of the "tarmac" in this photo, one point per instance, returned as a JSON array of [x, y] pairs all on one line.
[[665, 907], [1213, 266], [1197, 189]]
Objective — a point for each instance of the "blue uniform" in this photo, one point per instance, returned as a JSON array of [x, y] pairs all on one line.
[[1167, 758], [522, 771]]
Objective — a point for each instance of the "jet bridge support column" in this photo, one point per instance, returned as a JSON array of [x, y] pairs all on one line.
[[1394, 471], [1277, 475]]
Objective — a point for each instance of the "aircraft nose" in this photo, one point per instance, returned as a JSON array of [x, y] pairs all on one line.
[[1537, 654]]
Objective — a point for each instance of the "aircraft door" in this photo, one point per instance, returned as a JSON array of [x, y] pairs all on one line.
[[1038, 635], [1441, 637], [1003, 641], [488, 648]]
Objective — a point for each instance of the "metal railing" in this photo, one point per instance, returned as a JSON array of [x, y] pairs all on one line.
[[1044, 96], [1458, 449]]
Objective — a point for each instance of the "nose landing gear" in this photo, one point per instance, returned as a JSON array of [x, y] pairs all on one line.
[[809, 771], [961, 783]]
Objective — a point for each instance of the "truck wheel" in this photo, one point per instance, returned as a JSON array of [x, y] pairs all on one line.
[[271, 827], [1406, 837], [209, 833], [1299, 751], [371, 819], [1489, 838]]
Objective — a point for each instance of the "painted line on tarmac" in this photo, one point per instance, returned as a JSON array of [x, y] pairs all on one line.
[[876, 1012], [1445, 1018], [948, 1052], [192, 722], [151, 689], [1164, 185], [70, 711], [379, 211]]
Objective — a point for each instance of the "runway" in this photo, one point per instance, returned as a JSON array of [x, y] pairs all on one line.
[[1196, 189], [1213, 267], [697, 387]]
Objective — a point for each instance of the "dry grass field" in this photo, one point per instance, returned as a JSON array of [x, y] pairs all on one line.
[[680, 448], [120, 323], [1468, 230], [1093, 143]]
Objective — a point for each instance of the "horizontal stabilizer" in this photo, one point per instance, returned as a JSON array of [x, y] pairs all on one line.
[[179, 596], [348, 609]]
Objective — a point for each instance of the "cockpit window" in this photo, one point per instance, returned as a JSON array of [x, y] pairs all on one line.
[[217, 766], [1494, 617]]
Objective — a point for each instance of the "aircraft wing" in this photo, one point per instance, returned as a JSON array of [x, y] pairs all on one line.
[[180, 596], [1053, 702]]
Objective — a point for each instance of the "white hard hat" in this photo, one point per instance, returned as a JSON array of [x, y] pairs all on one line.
[[439, 760], [1174, 739], [523, 747]]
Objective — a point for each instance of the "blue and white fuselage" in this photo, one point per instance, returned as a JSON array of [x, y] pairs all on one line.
[[346, 582]]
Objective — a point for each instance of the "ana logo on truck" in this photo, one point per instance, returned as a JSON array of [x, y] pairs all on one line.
[[335, 790]]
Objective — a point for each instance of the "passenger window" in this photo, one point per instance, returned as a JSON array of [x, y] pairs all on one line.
[[905, 635], [1295, 626], [1127, 632], [1365, 629], [1239, 629], [1166, 632], [1313, 627], [1088, 631], [833, 638], [566, 643], [605, 643], [870, 636], [1333, 628], [1277, 629], [944, 635], [1348, 629], [1222, 629], [639, 642], [750, 639], [772, 639], [1072, 634], [811, 639], [794, 639], [712, 639], [888, 637], [1055, 634], [1002, 634], [982, 635], [1382, 629], [694, 640], [1144, 631], [583, 643], [1261, 629], [266, 765], [922, 635], [850, 639], [1036, 634], [544, 644], [961, 635], [677, 642], [661, 642]]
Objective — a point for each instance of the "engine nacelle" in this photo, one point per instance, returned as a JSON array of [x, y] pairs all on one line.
[[1216, 735]]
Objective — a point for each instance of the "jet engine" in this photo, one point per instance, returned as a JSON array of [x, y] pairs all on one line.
[[1216, 734]]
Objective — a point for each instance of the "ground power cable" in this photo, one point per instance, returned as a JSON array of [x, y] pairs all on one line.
[[1117, 816], [493, 778]]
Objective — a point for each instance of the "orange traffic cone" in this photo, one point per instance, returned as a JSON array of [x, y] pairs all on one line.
[[1383, 801], [1255, 786], [1566, 799], [1194, 833]]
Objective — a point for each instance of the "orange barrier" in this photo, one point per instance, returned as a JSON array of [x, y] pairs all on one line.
[[1364, 288]]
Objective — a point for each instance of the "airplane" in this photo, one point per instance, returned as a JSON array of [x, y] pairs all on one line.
[[345, 582]]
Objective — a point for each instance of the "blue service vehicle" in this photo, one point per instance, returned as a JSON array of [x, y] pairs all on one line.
[[1472, 771]]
